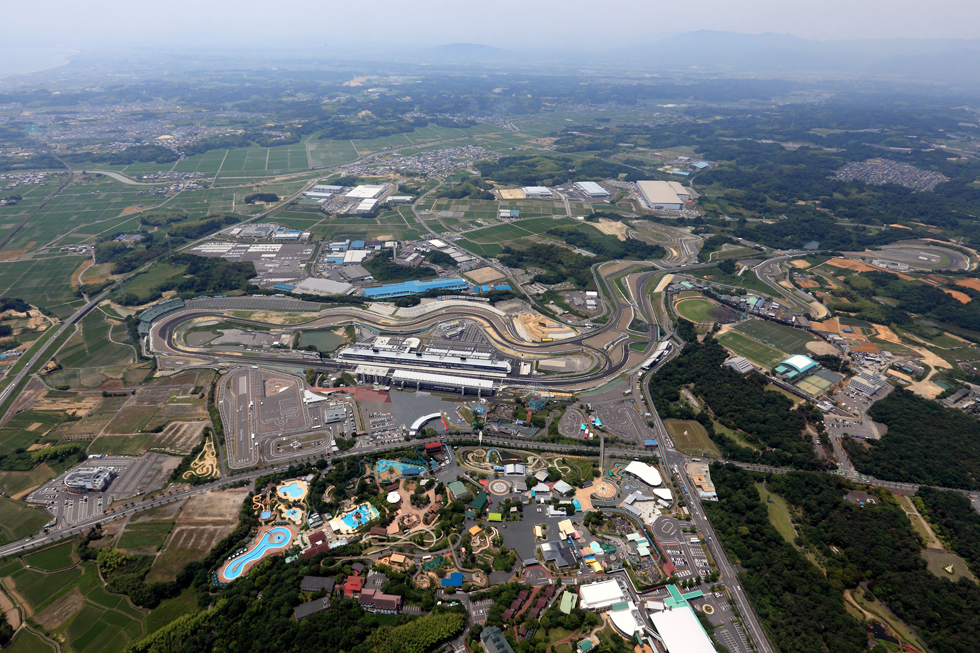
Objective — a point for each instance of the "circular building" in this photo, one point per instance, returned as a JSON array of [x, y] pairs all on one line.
[[394, 497]]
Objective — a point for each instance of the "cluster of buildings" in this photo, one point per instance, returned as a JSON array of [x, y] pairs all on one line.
[[434, 163], [366, 589], [267, 231], [359, 199]]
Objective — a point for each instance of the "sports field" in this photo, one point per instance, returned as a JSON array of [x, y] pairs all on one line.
[[760, 354], [777, 336], [691, 438], [695, 310]]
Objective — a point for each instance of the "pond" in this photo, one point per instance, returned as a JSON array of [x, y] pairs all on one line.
[[324, 340]]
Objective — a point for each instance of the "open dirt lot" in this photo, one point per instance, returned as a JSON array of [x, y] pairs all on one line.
[[511, 194], [204, 521], [819, 347], [537, 326], [961, 297], [849, 264], [613, 228], [484, 275], [61, 610], [180, 436], [799, 263]]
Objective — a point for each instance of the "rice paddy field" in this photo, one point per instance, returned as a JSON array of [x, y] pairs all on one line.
[[43, 282]]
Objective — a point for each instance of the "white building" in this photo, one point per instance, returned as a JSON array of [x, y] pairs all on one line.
[[537, 191], [663, 195], [91, 478], [313, 286], [591, 189], [600, 596], [646, 473], [365, 206], [364, 192], [681, 631]]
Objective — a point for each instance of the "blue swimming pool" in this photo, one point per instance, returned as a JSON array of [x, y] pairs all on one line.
[[294, 513], [293, 490], [360, 515], [277, 538], [265, 514], [404, 468]]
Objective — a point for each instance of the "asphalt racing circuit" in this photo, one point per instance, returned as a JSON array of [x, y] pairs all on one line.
[[608, 344]]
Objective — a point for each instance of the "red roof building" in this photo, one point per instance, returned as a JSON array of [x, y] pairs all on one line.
[[353, 586]]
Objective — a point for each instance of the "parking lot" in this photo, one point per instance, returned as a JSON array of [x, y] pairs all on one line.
[[134, 476]]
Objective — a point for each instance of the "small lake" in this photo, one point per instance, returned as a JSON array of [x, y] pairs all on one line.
[[323, 340]]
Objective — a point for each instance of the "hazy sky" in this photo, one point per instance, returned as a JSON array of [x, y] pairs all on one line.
[[533, 23]]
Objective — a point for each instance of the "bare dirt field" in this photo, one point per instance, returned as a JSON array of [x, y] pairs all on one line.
[[537, 326], [799, 263], [849, 264], [511, 194], [819, 347], [484, 275], [612, 228], [204, 521], [827, 326], [61, 610], [886, 334], [961, 297], [969, 283], [10, 611], [180, 436]]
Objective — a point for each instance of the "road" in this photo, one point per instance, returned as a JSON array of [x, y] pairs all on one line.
[[120, 178]]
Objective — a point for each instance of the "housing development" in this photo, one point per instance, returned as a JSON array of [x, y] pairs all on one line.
[[443, 357]]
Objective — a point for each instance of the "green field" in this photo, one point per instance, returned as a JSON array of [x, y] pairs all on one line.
[[695, 310], [18, 520], [145, 535], [37, 587], [170, 610], [760, 354], [28, 642], [696, 442], [93, 347], [121, 445], [143, 284], [779, 515], [778, 336], [27, 428], [52, 559], [46, 283]]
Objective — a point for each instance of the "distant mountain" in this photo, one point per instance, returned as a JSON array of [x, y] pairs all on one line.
[[706, 50], [467, 52]]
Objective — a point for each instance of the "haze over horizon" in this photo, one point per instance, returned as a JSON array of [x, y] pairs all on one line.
[[300, 24]]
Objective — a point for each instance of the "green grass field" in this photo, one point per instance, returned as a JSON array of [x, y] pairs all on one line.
[[18, 520], [27, 428], [778, 336], [695, 310], [143, 284], [121, 445], [696, 442], [779, 515], [145, 535], [52, 559], [760, 354], [170, 610], [46, 283]]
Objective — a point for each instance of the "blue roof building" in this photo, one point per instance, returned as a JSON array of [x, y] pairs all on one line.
[[796, 366], [502, 286], [414, 288], [484, 288], [282, 286], [357, 244], [454, 579]]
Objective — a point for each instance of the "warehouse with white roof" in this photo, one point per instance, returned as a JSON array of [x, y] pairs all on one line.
[[663, 195], [681, 631], [591, 189], [364, 192]]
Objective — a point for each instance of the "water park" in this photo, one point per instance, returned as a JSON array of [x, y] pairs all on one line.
[[354, 518], [395, 467], [268, 541], [293, 490]]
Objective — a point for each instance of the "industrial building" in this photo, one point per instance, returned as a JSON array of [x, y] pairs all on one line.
[[258, 231], [600, 596], [591, 189], [327, 188], [366, 206], [400, 199], [663, 195], [740, 364], [475, 363], [413, 287], [91, 478], [537, 192], [313, 286], [364, 192]]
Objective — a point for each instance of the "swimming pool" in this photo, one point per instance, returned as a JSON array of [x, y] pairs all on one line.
[[295, 514], [266, 514], [360, 515], [404, 468], [293, 490], [276, 539]]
